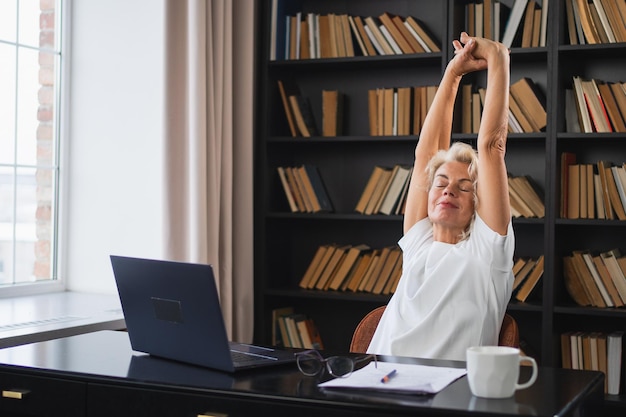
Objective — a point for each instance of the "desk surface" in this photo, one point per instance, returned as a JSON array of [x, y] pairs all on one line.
[[107, 357]]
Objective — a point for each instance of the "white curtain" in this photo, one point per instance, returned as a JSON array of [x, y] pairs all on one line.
[[209, 129]]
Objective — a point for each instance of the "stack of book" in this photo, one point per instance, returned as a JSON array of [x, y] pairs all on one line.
[[295, 330], [314, 35], [304, 189], [297, 110], [527, 273], [527, 107], [596, 279], [524, 198], [385, 191], [595, 351], [590, 191], [355, 268], [593, 105], [523, 24], [398, 111], [597, 21]]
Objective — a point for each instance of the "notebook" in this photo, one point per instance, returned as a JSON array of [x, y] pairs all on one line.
[[172, 311]]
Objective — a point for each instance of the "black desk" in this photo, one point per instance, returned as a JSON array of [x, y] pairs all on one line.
[[97, 374]]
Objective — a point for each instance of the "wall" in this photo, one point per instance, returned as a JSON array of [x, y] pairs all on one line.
[[114, 160]]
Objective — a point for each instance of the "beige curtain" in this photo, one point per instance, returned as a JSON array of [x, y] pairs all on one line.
[[208, 123]]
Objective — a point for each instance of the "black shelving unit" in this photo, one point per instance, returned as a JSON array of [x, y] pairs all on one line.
[[285, 242]]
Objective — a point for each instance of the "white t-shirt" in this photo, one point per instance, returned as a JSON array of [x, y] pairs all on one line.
[[450, 296]]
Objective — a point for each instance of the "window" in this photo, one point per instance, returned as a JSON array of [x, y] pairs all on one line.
[[30, 53]]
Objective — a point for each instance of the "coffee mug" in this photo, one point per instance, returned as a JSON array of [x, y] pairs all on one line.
[[493, 371]]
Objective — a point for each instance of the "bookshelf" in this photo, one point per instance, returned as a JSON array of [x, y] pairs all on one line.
[[286, 241]]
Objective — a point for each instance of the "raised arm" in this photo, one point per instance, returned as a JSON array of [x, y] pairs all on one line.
[[493, 190], [437, 127]]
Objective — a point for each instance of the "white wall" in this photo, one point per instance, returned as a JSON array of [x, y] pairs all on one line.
[[114, 159]]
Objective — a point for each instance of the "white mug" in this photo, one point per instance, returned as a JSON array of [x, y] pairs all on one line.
[[493, 371]]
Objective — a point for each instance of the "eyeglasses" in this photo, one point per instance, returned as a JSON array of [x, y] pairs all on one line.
[[311, 363]]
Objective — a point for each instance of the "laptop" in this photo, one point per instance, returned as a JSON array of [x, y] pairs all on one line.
[[172, 311]]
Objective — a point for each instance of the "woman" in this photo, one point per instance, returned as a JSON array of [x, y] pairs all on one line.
[[458, 239]]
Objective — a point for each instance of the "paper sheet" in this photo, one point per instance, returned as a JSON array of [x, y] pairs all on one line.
[[419, 379]]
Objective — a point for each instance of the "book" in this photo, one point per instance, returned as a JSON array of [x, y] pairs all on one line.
[[401, 174], [359, 271], [295, 188], [376, 272], [614, 362], [308, 276], [606, 198], [416, 46], [314, 335], [573, 191], [513, 24], [306, 190], [318, 187], [531, 101], [321, 265], [616, 202], [589, 29], [403, 43], [612, 109], [527, 190], [367, 43], [420, 30], [331, 267], [288, 192], [597, 300], [595, 106], [385, 272], [583, 112], [381, 40], [521, 119], [527, 24], [279, 335], [332, 113], [606, 297], [573, 283], [377, 192], [368, 190], [531, 282], [369, 273], [611, 260], [605, 276], [346, 266], [303, 115], [523, 273], [287, 107]]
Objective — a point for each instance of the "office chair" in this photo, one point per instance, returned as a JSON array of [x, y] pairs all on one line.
[[509, 332]]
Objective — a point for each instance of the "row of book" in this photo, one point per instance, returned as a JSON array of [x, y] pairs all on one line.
[[385, 191], [355, 268], [304, 189], [527, 272], [595, 351], [314, 35], [525, 24], [593, 105], [596, 21], [596, 279], [398, 111], [300, 115], [294, 330], [524, 199], [592, 191], [527, 107]]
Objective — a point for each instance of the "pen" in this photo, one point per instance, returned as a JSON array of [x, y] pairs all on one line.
[[387, 377]]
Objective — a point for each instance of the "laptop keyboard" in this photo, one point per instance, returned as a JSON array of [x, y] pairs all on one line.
[[239, 357]]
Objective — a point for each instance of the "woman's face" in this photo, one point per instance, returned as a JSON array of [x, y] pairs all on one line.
[[451, 197]]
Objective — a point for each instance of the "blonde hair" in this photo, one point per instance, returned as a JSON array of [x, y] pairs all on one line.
[[458, 152]]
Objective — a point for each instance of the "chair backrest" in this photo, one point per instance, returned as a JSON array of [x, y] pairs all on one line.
[[509, 332]]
